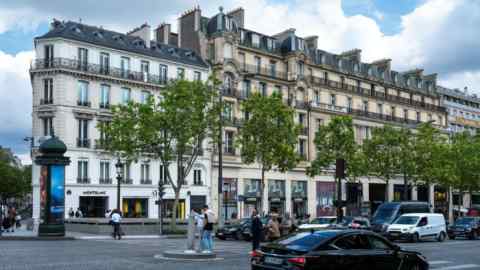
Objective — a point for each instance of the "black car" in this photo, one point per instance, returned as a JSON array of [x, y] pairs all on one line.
[[336, 250], [234, 231], [468, 227]]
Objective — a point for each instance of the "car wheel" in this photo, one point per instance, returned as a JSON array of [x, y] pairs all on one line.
[[415, 238], [441, 237], [474, 235]]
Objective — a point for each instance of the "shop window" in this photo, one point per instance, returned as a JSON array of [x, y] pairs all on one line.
[[135, 208], [167, 209]]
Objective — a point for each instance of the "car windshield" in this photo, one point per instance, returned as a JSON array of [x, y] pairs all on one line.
[[385, 213], [305, 241], [407, 220], [464, 221], [323, 221]]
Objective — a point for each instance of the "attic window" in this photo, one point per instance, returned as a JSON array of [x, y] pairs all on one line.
[[419, 83], [394, 77], [138, 42], [76, 29], [98, 34], [323, 59], [370, 71], [355, 67], [118, 38], [340, 64]]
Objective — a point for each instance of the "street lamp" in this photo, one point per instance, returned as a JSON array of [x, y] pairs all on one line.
[[221, 220], [119, 168]]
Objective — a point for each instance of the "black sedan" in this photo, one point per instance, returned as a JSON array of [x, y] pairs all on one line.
[[336, 250], [468, 227], [234, 231]]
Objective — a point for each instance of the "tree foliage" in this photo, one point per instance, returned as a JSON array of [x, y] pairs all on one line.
[[15, 182], [171, 129]]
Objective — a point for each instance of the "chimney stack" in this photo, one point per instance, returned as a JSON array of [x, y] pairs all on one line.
[[238, 15], [144, 32], [189, 29], [162, 33]]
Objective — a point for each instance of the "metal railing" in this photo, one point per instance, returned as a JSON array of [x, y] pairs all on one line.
[[83, 143], [104, 105], [97, 69], [101, 143], [128, 181], [264, 71], [146, 181], [105, 181], [44, 101], [84, 103], [83, 180]]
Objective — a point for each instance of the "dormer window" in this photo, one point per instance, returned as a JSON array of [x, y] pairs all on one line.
[[255, 40], [242, 36], [323, 59], [394, 77], [76, 29], [340, 65], [270, 44], [98, 34], [409, 82], [419, 83], [301, 44], [370, 71], [355, 67]]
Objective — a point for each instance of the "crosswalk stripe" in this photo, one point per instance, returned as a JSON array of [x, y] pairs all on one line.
[[456, 267], [438, 262]]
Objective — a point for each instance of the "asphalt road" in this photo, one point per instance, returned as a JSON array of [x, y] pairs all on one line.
[[139, 254]]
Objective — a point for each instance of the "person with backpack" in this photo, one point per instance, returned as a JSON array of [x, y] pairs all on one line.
[[207, 238], [256, 229]]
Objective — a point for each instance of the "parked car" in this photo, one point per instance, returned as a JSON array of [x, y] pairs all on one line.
[[415, 227], [468, 227], [387, 213], [473, 212], [336, 250], [319, 223], [234, 231]]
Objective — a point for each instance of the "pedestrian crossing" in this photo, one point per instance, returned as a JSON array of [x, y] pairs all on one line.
[[449, 265]]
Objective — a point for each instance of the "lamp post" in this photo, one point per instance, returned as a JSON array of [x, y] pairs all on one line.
[[221, 221], [119, 168]]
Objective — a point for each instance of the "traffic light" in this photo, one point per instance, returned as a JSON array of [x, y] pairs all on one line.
[[161, 190]]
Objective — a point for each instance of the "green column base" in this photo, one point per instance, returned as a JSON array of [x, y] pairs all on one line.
[[46, 230]]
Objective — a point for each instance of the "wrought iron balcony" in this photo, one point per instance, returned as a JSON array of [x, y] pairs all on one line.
[[97, 69], [105, 181], [44, 101], [83, 180], [127, 181], [101, 143], [104, 105], [84, 103], [146, 181], [228, 151], [304, 131], [263, 71], [83, 143]]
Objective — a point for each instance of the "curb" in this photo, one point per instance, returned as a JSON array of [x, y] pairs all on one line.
[[35, 238], [127, 237]]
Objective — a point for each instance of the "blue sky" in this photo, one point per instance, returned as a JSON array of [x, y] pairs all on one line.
[[440, 36]]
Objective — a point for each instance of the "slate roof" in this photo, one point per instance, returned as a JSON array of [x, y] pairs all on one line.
[[119, 41]]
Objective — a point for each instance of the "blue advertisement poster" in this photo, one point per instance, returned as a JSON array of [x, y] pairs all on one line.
[[57, 194]]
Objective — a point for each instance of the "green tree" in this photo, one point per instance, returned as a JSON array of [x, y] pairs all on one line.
[[171, 130], [14, 182], [336, 141], [269, 136], [383, 151]]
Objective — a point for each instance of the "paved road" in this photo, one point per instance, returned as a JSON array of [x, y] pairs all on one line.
[[139, 254]]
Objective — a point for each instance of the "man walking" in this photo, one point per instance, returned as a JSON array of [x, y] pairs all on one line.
[[209, 220], [256, 229], [199, 223], [116, 218]]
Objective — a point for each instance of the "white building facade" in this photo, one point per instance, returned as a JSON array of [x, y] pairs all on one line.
[[80, 71]]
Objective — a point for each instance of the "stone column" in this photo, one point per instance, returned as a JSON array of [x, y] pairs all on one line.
[[431, 197], [265, 197], [288, 196], [312, 197], [414, 193], [390, 191], [365, 191]]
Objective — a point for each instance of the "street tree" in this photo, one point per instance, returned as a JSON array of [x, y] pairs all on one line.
[[336, 141], [172, 129], [269, 136]]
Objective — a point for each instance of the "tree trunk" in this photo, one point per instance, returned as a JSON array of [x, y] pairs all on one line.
[[263, 190], [387, 182], [173, 221], [339, 200], [405, 186], [450, 204]]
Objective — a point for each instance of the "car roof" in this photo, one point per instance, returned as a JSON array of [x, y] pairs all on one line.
[[422, 215]]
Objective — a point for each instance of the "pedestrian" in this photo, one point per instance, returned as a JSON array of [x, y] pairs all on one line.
[[71, 214], [116, 219], [209, 220], [18, 221], [256, 229], [199, 225], [273, 228], [12, 214], [78, 213]]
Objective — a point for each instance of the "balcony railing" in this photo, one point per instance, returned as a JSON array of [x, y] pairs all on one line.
[[101, 143], [229, 151], [304, 131], [83, 180], [233, 122], [84, 103], [368, 92], [104, 105], [44, 101], [97, 69], [229, 92], [105, 181], [264, 71], [83, 143], [127, 181], [146, 181]]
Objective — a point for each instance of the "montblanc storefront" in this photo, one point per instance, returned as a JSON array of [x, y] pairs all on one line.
[[299, 198]]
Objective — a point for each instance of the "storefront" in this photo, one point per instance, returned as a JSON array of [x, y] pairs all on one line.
[[299, 198], [93, 205], [135, 207], [167, 208], [230, 198], [376, 194], [325, 197], [398, 192], [276, 196], [252, 196], [354, 199], [422, 193], [440, 200]]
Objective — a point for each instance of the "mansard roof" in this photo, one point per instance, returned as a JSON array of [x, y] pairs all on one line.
[[458, 94], [119, 41]]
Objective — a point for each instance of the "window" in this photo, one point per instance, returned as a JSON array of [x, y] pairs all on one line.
[[197, 177], [83, 94], [242, 60], [377, 243], [440, 120], [126, 173], [325, 76], [82, 175], [126, 95], [163, 174], [255, 40], [392, 111], [301, 67], [47, 126], [104, 63], [365, 105], [359, 85], [258, 64], [105, 172], [180, 73], [333, 100], [301, 148], [372, 89], [319, 123], [145, 174], [125, 66], [83, 140], [105, 96], [197, 76], [317, 97], [430, 117], [144, 68], [273, 68], [229, 149], [353, 242], [163, 74], [301, 119], [246, 89], [349, 104], [405, 114], [263, 88], [82, 58], [47, 91], [242, 36], [103, 136], [48, 56], [342, 82], [145, 96], [270, 44], [228, 111], [418, 116], [380, 108]]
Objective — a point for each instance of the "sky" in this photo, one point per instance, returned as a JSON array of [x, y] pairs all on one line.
[[439, 36]]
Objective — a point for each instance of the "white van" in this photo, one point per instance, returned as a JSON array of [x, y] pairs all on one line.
[[415, 227]]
